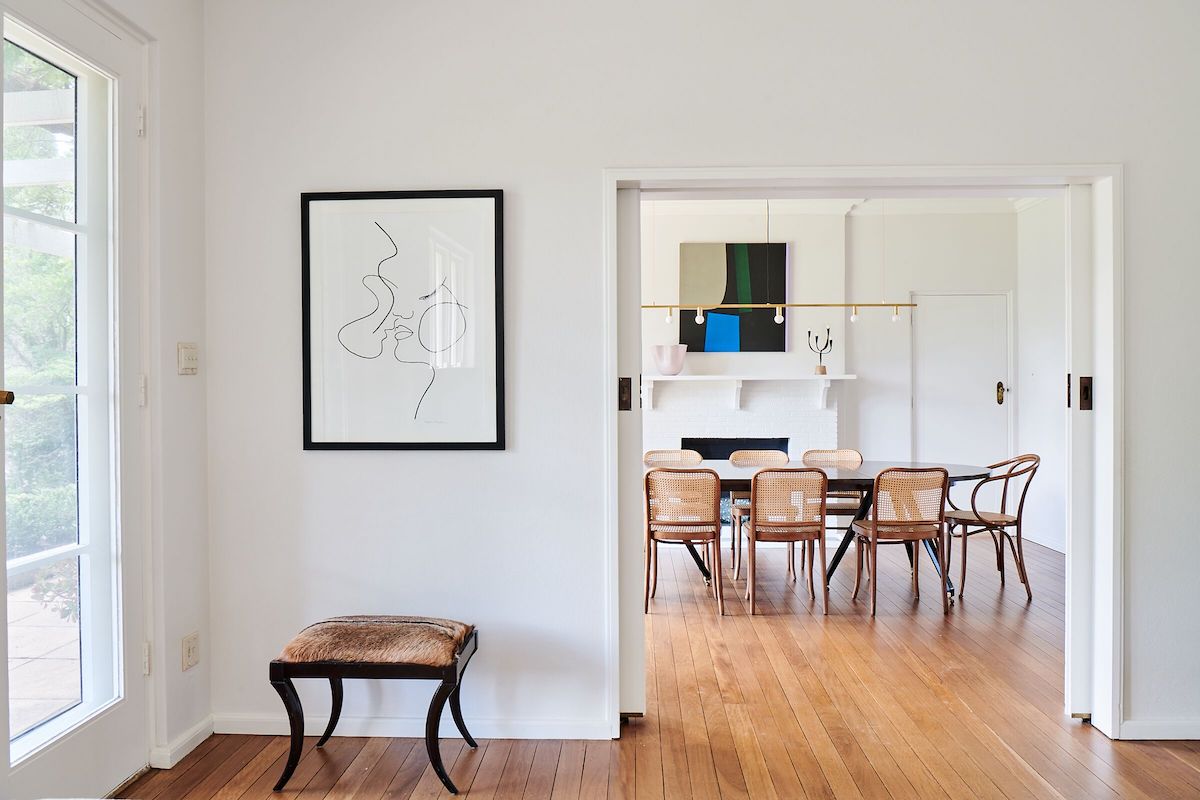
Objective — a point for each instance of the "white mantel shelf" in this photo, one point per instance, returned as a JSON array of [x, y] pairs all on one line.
[[735, 382]]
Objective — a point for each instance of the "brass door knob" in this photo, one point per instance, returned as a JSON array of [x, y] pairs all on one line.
[[6, 397], [1000, 390]]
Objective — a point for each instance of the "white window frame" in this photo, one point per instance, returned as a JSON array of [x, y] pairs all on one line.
[[97, 549]]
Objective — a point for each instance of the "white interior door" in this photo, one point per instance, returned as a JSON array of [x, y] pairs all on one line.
[[961, 351], [74, 695], [632, 694]]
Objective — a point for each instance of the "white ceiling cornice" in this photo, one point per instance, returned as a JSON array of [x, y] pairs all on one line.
[[779, 207], [934, 205]]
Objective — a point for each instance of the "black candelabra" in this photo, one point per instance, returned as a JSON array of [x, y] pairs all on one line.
[[814, 344]]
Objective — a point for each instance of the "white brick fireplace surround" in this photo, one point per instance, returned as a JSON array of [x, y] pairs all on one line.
[[769, 409]]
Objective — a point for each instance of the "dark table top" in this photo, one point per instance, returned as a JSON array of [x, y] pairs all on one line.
[[860, 477]]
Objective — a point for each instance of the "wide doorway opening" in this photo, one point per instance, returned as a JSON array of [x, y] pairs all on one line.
[[917, 321]]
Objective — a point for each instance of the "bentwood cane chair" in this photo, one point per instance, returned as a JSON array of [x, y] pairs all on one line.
[[739, 511], [839, 503], [845, 502], [1014, 477], [909, 508], [683, 506], [671, 458], [674, 458], [788, 505]]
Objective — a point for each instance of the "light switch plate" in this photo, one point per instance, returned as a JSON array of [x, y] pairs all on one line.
[[188, 358]]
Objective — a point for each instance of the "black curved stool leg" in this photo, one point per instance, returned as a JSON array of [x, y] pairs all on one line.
[[456, 712], [335, 688], [291, 701], [432, 723]]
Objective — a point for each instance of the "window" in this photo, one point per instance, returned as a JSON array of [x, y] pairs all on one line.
[[57, 355]]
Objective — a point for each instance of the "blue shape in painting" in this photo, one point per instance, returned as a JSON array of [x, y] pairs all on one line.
[[722, 333]]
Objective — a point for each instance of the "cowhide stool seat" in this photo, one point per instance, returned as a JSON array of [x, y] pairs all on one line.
[[376, 647]]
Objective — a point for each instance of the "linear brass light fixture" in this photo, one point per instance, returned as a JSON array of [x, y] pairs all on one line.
[[854, 307], [779, 318], [781, 305]]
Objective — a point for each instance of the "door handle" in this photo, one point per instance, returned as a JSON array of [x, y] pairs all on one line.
[[6, 397], [1000, 391]]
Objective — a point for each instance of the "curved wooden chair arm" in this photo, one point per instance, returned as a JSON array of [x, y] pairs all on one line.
[[1026, 463]]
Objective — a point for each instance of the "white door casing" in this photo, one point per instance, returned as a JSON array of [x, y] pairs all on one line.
[[1099, 610], [629, 361]]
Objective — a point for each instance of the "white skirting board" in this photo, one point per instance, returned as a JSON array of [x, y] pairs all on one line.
[[171, 754], [314, 725], [1160, 729]]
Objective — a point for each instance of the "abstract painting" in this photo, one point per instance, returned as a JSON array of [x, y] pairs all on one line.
[[716, 273], [403, 323]]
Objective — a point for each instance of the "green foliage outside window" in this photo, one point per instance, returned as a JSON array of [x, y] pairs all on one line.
[[41, 465]]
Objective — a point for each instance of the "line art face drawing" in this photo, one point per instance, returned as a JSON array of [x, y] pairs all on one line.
[[389, 325]]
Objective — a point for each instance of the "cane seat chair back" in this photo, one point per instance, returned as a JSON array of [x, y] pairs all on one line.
[[739, 499], [909, 507], [682, 506], [788, 505], [671, 458]]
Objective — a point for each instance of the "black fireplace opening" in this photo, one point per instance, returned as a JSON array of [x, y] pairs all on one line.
[[719, 449]]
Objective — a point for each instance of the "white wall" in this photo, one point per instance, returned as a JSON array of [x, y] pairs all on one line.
[[537, 98], [1041, 364], [932, 246], [179, 502]]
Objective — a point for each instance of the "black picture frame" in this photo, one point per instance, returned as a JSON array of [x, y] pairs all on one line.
[[306, 199]]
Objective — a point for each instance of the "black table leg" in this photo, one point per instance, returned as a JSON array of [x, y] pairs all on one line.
[[931, 548], [864, 507], [699, 562]]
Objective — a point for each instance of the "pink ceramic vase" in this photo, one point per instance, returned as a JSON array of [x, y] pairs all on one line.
[[669, 357]]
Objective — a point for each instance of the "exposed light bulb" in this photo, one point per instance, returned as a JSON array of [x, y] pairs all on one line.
[[778, 315], [699, 316], [895, 313], [854, 314]]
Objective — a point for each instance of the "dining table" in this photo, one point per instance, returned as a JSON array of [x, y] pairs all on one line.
[[847, 478]]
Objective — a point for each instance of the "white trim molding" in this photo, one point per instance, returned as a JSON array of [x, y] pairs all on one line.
[[173, 753], [1160, 729], [408, 727]]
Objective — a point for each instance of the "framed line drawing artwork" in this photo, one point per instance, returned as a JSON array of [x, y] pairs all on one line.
[[403, 323]]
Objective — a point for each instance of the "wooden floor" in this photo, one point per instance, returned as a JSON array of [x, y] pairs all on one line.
[[786, 704]]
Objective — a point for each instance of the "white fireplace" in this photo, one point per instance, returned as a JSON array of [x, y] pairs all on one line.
[[804, 412]]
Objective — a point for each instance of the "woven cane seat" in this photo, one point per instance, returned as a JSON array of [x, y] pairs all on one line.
[[896, 531], [969, 517], [426, 641]]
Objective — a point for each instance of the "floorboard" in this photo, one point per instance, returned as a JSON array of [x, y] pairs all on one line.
[[788, 703]]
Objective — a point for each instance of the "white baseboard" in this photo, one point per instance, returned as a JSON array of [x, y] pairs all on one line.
[[170, 755], [1160, 729], [314, 725]]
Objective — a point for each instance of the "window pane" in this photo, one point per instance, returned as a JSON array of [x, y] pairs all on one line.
[[44, 674], [39, 305], [41, 471], [39, 135]]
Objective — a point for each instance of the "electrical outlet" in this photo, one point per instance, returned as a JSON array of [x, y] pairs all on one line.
[[188, 358], [191, 651]]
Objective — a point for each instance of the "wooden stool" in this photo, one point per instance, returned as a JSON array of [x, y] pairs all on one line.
[[377, 647]]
